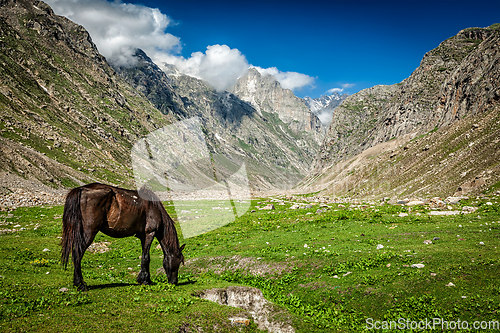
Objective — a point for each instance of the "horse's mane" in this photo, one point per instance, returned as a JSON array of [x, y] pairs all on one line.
[[170, 232]]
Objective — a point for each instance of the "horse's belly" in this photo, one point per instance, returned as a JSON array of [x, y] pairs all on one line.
[[122, 222]]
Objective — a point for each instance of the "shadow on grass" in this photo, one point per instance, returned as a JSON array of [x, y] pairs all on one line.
[[185, 283], [111, 285]]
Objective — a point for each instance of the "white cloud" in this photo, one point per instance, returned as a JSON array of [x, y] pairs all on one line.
[[118, 28], [325, 116], [339, 90], [331, 91], [220, 65], [288, 80]]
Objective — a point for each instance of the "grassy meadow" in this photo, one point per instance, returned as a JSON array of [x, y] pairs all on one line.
[[324, 271]]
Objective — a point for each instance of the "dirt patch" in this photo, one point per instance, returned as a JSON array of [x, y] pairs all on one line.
[[251, 300], [248, 265]]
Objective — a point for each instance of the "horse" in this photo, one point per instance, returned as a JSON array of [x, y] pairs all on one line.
[[118, 213]]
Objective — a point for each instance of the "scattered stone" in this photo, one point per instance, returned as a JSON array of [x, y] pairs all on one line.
[[239, 321], [454, 200], [319, 211], [309, 206], [46, 250], [344, 275], [469, 209], [388, 265], [252, 211], [63, 290], [403, 214], [449, 212], [489, 203], [268, 207], [427, 241], [436, 202], [401, 202], [99, 247], [380, 246], [433, 274], [418, 266], [450, 285], [481, 243], [415, 203], [436, 238]]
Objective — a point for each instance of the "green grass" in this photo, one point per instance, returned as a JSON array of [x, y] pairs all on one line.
[[309, 254]]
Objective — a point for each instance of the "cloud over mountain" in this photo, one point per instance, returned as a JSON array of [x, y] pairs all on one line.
[[288, 80], [118, 29]]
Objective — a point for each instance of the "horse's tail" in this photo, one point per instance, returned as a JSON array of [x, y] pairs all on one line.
[[72, 237]]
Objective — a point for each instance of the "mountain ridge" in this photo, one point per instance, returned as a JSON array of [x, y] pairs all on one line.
[[455, 82]]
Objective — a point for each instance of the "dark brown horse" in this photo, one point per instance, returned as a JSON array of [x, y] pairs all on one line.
[[118, 213]]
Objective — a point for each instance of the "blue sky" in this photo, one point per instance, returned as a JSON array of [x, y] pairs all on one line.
[[348, 45]]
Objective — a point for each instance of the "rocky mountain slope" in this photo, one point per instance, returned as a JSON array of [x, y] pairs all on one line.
[[265, 94], [66, 118], [444, 118], [274, 140]]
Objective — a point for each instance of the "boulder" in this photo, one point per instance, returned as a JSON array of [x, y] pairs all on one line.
[[415, 203], [268, 207]]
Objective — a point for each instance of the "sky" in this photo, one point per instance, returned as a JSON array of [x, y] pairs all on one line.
[[311, 47]]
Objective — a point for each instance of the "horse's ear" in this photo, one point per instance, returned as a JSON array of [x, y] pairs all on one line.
[[182, 247]]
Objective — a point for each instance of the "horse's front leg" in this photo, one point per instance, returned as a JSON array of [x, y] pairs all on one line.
[[144, 276]]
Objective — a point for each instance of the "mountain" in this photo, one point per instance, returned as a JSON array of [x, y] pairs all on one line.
[[325, 105], [66, 117], [265, 94], [274, 140], [435, 133]]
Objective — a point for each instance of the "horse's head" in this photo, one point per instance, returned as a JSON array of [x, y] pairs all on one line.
[[173, 263]]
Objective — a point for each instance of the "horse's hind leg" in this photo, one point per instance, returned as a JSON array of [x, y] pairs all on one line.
[[77, 261], [144, 276]]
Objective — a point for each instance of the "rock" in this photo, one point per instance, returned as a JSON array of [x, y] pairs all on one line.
[[454, 200], [449, 212], [63, 290], [427, 241], [403, 214], [481, 243], [415, 203], [402, 202], [437, 203], [436, 238], [418, 266], [295, 206], [433, 274], [251, 300], [319, 211], [489, 203], [268, 207], [469, 209], [309, 206], [46, 250], [380, 246], [239, 321], [344, 275], [450, 285]]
